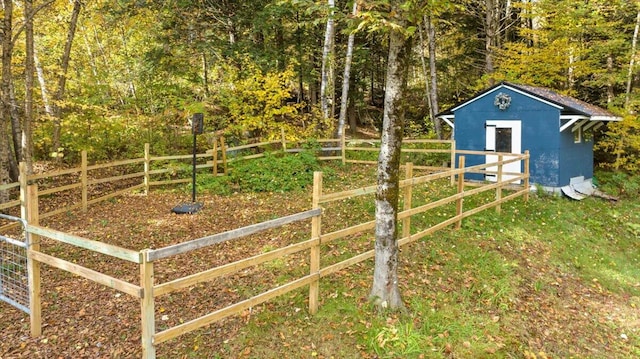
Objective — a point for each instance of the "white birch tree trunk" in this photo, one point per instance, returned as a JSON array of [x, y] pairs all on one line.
[[44, 92], [425, 73], [385, 292], [431, 80], [570, 71], [325, 85], [632, 62], [344, 102], [431, 33]]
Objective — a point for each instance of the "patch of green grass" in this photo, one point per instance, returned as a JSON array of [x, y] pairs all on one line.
[[591, 238], [276, 172], [505, 285]]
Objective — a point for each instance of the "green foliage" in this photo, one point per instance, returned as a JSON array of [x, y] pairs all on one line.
[[400, 339], [102, 136], [257, 104], [220, 185], [621, 145], [590, 34], [274, 173], [618, 183], [108, 136]]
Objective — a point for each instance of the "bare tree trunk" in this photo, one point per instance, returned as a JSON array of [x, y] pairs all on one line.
[[92, 59], [346, 78], [571, 71], [300, 53], [325, 86], [16, 133], [62, 78], [205, 74], [5, 114], [632, 62], [231, 29], [43, 85], [610, 89], [10, 108], [432, 89], [27, 122], [431, 33], [425, 73], [385, 291], [491, 31]]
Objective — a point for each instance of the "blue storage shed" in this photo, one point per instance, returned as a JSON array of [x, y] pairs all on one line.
[[556, 129]]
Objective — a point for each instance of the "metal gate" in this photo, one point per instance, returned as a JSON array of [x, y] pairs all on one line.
[[14, 272]]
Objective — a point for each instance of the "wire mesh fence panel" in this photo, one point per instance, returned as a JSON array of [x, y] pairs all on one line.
[[14, 276]]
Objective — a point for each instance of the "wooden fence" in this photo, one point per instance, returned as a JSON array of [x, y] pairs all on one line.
[[148, 290], [81, 184]]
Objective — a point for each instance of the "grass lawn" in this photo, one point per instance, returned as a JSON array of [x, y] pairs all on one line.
[[547, 278], [550, 277]]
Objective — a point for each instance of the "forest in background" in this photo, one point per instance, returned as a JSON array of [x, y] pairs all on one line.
[[107, 76]]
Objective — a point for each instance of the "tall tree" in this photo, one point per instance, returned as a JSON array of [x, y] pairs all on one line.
[[346, 77], [491, 23], [27, 122], [385, 291], [62, 77], [326, 82], [5, 88], [431, 77], [632, 61]]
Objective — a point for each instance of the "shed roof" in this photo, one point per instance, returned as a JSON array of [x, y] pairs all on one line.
[[567, 104]]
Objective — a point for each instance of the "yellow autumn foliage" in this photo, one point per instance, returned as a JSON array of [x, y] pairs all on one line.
[[258, 104]]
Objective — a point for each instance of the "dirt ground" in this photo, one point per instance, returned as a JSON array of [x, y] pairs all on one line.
[[75, 327], [85, 320]]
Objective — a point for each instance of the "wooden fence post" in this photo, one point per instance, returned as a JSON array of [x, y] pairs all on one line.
[[460, 191], [215, 157], [84, 180], [147, 307], [33, 266], [314, 264], [284, 140], [406, 222], [499, 189], [343, 147], [453, 161], [147, 165], [223, 151], [526, 172], [23, 190]]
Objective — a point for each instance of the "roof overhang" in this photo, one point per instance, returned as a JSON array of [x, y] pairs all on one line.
[[585, 122], [514, 89], [606, 118], [448, 119]]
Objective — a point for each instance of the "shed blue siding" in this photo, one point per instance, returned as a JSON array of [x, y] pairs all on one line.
[[540, 132], [555, 157], [576, 158]]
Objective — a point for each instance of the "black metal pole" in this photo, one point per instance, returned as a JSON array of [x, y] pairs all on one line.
[[193, 171]]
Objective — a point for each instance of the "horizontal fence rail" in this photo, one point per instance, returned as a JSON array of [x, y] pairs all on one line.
[[142, 174], [322, 262], [230, 235]]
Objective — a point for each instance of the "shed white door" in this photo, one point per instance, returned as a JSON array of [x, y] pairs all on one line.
[[503, 136]]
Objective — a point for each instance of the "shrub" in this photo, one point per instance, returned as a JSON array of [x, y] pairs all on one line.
[[618, 183], [259, 104], [220, 185], [274, 173]]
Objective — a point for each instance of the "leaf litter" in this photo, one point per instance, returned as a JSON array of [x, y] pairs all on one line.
[[552, 312]]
